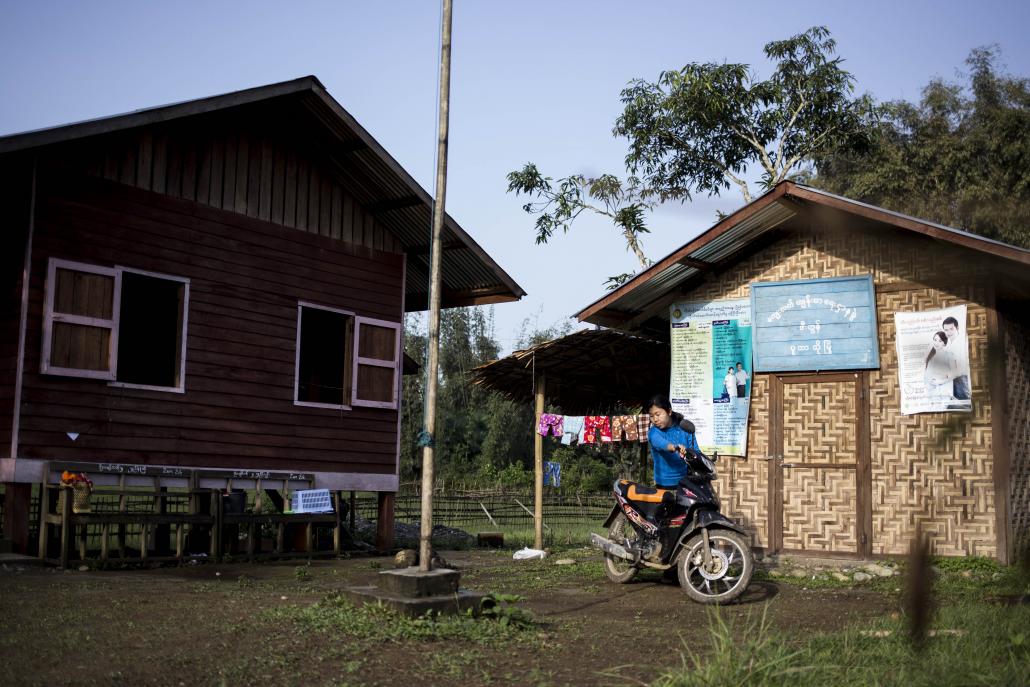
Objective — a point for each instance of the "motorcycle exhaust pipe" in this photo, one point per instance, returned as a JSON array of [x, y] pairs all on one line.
[[608, 546]]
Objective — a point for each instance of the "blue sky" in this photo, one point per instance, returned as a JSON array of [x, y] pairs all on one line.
[[532, 81]]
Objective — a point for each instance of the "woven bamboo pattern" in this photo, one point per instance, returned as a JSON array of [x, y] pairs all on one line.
[[743, 485], [935, 469], [1017, 376], [820, 423], [819, 510]]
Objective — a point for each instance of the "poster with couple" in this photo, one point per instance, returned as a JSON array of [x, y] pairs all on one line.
[[711, 371], [933, 361]]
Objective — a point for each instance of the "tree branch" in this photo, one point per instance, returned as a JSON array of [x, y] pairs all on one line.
[[783, 137]]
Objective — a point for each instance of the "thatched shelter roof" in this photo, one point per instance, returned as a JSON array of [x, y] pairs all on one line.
[[592, 371]]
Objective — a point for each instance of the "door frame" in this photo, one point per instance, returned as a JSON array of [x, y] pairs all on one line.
[[863, 466]]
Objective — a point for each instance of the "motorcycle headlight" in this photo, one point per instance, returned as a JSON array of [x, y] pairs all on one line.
[[708, 464]]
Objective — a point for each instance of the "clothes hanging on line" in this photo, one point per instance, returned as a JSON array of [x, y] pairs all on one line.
[[597, 423], [624, 425], [550, 424], [643, 425], [572, 429]]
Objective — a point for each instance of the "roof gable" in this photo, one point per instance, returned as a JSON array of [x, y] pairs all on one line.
[[742, 230], [387, 202]]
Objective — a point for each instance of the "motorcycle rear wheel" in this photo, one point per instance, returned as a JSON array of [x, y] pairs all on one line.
[[733, 562], [619, 570]]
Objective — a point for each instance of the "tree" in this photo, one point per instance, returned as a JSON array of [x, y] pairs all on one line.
[[699, 129], [961, 156]]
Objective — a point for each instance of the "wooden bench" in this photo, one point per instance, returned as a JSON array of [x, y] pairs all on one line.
[[269, 511], [116, 488], [205, 492]]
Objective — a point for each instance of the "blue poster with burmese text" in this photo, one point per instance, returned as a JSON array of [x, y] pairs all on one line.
[[815, 324]]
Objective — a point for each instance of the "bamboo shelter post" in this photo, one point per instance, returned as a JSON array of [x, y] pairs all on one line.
[[426, 532], [538, 464]]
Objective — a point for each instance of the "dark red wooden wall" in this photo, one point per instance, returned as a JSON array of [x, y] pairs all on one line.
[[246, 277]]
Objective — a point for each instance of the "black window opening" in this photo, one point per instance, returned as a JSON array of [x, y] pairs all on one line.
[[150, 331], [323, 370]]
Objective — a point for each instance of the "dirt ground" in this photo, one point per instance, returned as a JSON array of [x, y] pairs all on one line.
[[210, 625]]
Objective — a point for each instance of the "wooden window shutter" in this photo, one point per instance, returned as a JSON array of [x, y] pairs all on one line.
[[80, 320], [377, 363]]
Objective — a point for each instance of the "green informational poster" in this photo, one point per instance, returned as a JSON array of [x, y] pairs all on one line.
[[711, 371]]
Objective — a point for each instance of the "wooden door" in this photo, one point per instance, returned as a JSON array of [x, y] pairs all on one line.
[[818, 476]]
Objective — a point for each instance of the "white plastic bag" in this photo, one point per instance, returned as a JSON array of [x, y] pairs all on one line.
[[527, 554]]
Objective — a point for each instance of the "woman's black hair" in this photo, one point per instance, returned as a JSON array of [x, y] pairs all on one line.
[[661, 401], [933, 351]]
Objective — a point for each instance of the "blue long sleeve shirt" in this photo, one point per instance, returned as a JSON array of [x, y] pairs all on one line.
[[669, 467]]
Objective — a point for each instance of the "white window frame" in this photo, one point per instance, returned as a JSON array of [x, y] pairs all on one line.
[[113, 325], [296, 360], [180, 388], [50, 318], [376, 362]]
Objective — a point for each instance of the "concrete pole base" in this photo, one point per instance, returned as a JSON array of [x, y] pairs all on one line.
[[414, 593]]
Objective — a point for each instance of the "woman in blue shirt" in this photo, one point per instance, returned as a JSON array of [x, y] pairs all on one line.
[[669, 443]]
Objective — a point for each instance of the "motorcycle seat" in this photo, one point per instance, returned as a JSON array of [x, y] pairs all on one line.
[[645, 499]]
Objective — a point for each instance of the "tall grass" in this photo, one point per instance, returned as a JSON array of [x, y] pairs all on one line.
[[983, 645]]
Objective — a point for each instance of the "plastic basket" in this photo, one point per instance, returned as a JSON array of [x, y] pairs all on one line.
[[312, 501]]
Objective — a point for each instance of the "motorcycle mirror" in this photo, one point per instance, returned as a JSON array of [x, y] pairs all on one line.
[[687, 426]]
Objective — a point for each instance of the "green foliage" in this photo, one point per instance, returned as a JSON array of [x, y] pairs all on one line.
[[983, 645], [700, 128], [561, 202], [752, 656], [477, 431], [378, 623], [502, 608], [960, 156]]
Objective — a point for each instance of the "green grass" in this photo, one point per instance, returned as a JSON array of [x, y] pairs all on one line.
[[377, 623], [977, 642], [523, 576], [991, 647]]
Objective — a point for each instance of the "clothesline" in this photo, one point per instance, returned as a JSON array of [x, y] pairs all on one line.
[[586, 429]]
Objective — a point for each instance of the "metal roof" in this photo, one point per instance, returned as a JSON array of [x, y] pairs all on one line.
[[735, 233], [592, 371], [470, 275]]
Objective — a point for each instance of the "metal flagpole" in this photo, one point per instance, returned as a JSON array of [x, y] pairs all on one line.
[[426, 533]]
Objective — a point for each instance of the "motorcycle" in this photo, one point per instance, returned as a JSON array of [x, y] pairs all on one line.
[[679, 528]]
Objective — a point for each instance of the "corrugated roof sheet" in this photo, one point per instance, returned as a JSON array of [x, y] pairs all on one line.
[[735, 233], [372, 174]]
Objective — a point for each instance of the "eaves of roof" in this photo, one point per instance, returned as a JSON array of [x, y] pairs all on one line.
[[736, 232], [471, 276]]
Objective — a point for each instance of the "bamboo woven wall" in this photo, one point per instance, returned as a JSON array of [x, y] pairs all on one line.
[[1017, 376], [933, 470], [743, 484]]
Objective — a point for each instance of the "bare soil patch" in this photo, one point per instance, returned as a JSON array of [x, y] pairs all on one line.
[[210, 625]]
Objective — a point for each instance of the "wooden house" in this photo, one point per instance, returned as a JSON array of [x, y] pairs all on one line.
[[215, 284], [832, 466]]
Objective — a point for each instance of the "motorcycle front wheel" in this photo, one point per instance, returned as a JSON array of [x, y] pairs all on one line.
[[728, 574], [617, 569]]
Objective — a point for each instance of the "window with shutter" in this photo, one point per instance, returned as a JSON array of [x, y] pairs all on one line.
[[80, 325], [377, 363], [115, 323]]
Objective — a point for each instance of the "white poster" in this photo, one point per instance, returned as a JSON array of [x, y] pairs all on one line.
[[711, 371], [933, 361]]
